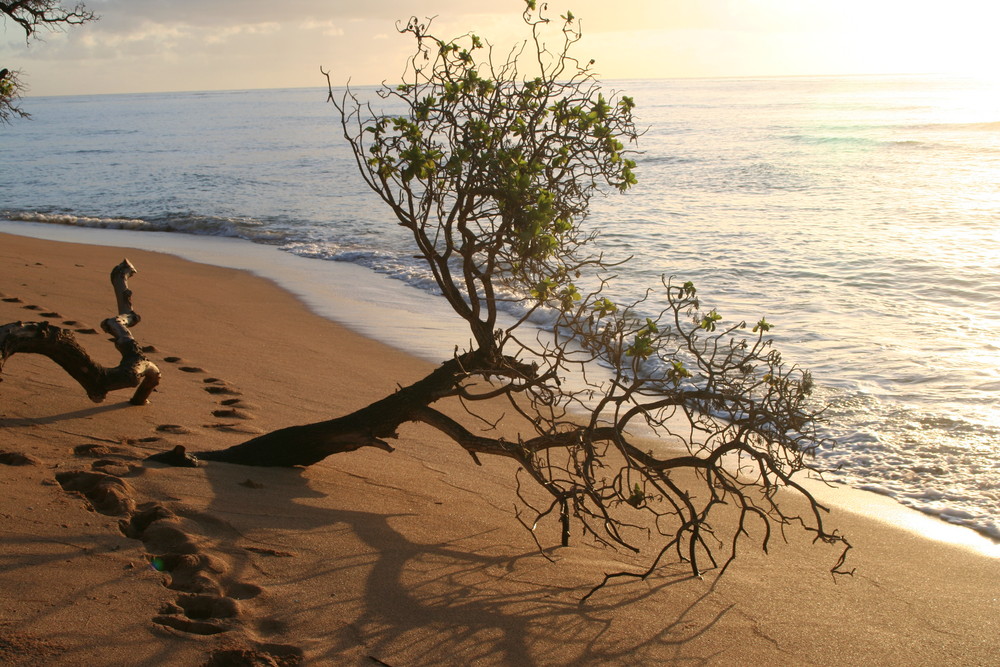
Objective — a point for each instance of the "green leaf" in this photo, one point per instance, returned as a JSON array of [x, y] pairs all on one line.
[[677, 372], [708, 321], [568, 296], [641, 347], [604, 306], [636, 497]]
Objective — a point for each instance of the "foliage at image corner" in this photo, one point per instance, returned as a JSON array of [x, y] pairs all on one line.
[[31, 16]]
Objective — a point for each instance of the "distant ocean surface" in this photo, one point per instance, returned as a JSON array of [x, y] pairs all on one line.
[[860, 215]]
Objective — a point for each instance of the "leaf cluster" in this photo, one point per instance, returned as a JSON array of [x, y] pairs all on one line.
[[492, 167]]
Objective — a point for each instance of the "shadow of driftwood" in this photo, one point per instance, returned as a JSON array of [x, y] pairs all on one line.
[[65, 416]]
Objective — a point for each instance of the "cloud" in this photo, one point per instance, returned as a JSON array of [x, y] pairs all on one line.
[[148, 45], [119, 13]]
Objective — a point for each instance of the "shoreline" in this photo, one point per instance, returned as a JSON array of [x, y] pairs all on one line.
[[413, 557], [315, 283]]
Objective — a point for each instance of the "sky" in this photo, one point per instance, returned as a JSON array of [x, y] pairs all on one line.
[[180, 45]]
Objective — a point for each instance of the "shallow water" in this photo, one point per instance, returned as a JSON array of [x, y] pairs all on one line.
[[861, 216]]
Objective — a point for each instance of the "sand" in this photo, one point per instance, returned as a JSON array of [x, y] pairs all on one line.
[[368, 558]]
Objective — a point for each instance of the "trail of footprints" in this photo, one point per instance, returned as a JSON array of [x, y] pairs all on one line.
[[230, 405], [210, 599], [52, 315], [231, 409]]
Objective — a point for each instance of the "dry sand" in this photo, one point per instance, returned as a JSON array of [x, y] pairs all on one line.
[[368, 558]]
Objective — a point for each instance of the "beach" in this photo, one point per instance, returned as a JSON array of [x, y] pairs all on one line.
[[413, 557]]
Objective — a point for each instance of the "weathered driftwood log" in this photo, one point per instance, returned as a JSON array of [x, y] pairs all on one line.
[[59, 345]]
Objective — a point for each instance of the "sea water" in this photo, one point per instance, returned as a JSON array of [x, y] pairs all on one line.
[[859, 215]]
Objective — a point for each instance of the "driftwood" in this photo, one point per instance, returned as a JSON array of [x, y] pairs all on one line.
[[60, 345]]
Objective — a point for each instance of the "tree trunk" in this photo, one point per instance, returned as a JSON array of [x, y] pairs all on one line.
[[368, 427]]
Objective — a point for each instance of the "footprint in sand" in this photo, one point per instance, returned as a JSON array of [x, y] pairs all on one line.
[[53, 315], [175, 429], [107, 494], [117, 468], [187, 549], [220, 389], [188, 625], [99, 451], [17, 459], [259, 654], [31, 306], [186, 369], [210, 599], [11, 299], [237, 403], [87, 331], [110, 460], [231, 413]]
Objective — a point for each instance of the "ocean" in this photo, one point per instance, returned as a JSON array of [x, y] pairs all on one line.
[[859, 215]]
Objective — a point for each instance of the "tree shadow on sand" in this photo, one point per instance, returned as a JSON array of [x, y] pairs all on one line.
[[484, 595]]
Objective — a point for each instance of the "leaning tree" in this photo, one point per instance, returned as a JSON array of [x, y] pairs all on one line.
[[636, 419], [649, 422], [30, 16]]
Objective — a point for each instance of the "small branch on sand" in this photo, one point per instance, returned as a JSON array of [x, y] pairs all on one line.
[[60, 345]]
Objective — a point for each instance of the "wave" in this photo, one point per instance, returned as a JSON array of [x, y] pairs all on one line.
[[860, 142], [179, 222], [989, 126], [665, 159], [939, 464], [77, 220]]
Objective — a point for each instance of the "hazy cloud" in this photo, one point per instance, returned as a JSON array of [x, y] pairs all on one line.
[[190, 44]]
